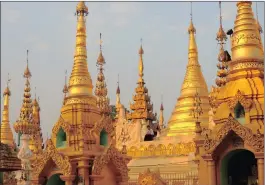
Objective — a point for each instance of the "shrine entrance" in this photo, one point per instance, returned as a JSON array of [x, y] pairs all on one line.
[[239, 167], [55, 179]]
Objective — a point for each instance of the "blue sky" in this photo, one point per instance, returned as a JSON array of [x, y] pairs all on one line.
[[48, 29]]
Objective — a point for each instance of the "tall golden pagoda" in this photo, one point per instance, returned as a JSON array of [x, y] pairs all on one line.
[[141, 107], [80, 149], [181, 122], [238, 134], [6, 132], [247, 66]]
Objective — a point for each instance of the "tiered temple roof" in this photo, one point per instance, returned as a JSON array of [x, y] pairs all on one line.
[[141, 106]]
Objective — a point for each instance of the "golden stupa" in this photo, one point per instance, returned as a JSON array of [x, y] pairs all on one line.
[[9, 160], [181, 122]]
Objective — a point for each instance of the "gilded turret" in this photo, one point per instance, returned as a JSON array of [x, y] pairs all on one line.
[[80, 83], [180, 122], [141, 107], [25, 123], [6, 132], [101, 90], [243, 94]]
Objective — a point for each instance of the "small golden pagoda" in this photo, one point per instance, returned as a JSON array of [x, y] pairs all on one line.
[[8, 155], [6, 132], [141, 107], [238, 134], [181, 122]]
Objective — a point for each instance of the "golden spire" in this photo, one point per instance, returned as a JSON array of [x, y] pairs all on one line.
[[24, 124], [180, 122], [141, 64], [161, 115], [36, 141], [258, 24], [222, 57], [142, 107], [6, 132], [246, 42], [193, 51], [118, 99], [101, 90], [65, 88], [80, 82]]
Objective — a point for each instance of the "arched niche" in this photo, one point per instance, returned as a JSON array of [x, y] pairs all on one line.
[[233, 170], [1, 178], [239, 113], [61, 138], [55, 179], [103, 138]]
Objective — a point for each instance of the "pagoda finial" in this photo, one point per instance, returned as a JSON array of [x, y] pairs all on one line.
[[6, 135], [101, 90], [193, 51], [141, 64], [118, 91], [221, 35], [25, 125], [100, 60], [223, 56], [161, 115], [80, 83], [191, 29]]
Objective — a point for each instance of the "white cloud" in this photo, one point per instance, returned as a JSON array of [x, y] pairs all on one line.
[[10, 15]]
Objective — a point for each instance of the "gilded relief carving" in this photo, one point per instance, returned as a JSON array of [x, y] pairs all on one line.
[[50, 152], [61, 123], [183, 149], [150, 178], [256, 141], [114, 156], [239, 97]]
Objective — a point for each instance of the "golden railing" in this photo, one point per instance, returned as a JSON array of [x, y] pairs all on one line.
[[189, 178], [161, 150]]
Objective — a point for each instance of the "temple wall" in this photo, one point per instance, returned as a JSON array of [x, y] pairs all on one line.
[[109, 177]]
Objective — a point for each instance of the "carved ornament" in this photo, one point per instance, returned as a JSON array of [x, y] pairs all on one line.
[[256, 141], [61, 123], [114, 156], [239, 97], [179, 149], [104, 123], [150, 178], [62, 162], [246, 38]]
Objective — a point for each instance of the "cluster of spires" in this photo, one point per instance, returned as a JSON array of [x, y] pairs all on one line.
[[27, 124]]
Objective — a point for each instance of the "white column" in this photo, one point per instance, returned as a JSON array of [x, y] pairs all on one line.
[[24, 155]]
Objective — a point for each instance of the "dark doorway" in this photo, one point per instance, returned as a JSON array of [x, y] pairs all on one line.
[[239, 167]]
